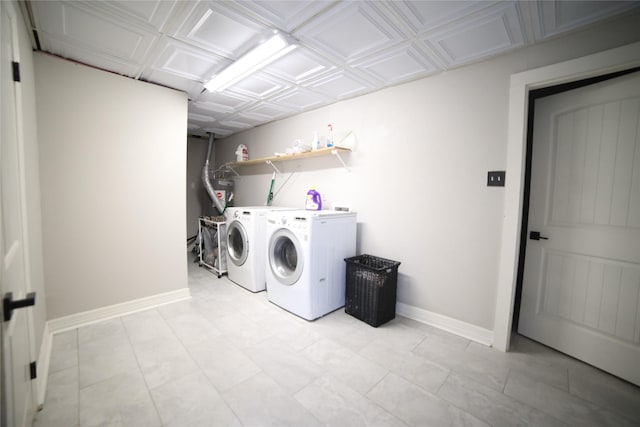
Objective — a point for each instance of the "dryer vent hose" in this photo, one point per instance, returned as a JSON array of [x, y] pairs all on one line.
[[206, 178]]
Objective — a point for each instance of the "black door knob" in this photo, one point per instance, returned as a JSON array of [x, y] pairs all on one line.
[[535, 235]]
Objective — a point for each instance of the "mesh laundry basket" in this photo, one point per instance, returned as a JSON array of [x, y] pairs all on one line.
[[371, 285]]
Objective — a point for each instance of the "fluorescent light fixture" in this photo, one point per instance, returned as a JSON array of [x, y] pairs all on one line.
[[272, 49]]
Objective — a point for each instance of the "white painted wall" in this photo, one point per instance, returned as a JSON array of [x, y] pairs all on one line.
[[417, 176], [113, 179], [196, 153]]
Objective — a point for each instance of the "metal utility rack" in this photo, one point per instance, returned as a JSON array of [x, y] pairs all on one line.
[[220, 230]]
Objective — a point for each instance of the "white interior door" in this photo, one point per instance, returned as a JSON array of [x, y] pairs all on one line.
[[581, 287], [17, 393]]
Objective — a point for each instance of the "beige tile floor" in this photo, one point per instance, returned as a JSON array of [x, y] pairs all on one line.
[[228, 357]]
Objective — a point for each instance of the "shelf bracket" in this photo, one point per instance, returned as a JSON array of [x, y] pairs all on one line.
[[269, 162], [337, 154], [232, 170]]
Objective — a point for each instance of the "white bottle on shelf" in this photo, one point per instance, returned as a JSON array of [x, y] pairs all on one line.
[[330, 136]]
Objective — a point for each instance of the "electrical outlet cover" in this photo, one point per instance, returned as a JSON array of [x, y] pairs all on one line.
[[495, 178]]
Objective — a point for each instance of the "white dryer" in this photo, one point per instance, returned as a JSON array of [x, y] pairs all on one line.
[[305, 260], [246, 245]]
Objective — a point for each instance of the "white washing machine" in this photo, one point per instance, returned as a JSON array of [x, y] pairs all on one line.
[[305, 260], [246, 245]]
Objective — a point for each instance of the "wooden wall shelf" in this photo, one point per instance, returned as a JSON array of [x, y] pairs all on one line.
[[288, 157]]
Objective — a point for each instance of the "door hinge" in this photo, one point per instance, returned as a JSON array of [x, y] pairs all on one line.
[[16, 71], [33, 370]]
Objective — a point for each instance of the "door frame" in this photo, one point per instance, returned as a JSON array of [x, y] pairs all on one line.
[[534, 95], [15, 14], [609, 61]]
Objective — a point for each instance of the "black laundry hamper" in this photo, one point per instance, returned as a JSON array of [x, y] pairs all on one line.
[[371, 286]]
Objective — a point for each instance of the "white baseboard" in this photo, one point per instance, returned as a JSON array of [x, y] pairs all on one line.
[[73, 321], [458, 327], [43, 365]]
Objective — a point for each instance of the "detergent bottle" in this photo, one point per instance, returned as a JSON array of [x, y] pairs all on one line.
[[314, 201], [242, 154]]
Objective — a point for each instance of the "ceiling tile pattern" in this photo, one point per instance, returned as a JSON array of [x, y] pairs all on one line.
[[484, 34], [182, 60], [220, 29], [401, 63], [300, 65], [345, 48], [350, 31]]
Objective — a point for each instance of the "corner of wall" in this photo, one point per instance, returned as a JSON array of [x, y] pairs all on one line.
[[66, 323], [449, 324], [44, 359]]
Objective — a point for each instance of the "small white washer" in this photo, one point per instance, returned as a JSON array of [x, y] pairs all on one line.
[[306, 270], [246, 245]]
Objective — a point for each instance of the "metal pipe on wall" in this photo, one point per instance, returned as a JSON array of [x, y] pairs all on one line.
[[206, 179]]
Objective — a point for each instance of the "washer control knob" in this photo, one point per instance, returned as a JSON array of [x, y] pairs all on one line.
[[284, 220]]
